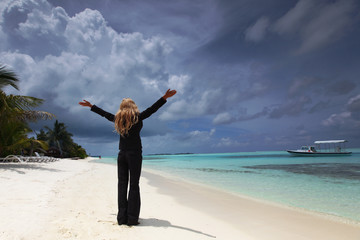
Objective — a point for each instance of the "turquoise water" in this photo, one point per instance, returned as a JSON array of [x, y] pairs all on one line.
[[329, 185]]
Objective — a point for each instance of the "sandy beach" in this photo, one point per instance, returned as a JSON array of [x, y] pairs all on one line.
[[76, 199]]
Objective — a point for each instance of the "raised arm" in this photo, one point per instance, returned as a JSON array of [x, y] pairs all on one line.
[[158, 104], [96, 109]]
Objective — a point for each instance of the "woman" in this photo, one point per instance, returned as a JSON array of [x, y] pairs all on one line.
[[128, 123]]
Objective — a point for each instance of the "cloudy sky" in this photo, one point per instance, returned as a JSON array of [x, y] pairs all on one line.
[[250, 74]]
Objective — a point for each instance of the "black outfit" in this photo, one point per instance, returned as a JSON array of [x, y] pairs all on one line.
[[129, 163]]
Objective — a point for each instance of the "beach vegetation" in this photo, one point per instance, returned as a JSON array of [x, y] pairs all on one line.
[[60, 140], [16, 111]]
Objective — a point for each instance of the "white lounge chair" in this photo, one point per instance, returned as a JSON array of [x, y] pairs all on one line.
[[22, 159], [14, 158]]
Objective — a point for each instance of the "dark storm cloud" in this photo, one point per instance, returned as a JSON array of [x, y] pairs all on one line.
[[353, 107], [236, 64], [227, 118], [93, 58], [341, 87], [305, 85], [293, 107], [320, 106]]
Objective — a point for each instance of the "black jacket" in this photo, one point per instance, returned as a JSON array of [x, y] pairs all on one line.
[[132, 140]]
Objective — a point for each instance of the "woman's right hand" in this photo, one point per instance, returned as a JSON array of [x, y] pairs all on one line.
[[85, 103], [169, 93]]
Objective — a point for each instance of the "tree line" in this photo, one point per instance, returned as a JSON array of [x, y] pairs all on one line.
[[16, 112]]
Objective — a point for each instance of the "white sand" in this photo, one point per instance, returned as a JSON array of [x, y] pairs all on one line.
[[77, 200]]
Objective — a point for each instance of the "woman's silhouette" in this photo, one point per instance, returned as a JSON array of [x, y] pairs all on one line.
[[128, 123]]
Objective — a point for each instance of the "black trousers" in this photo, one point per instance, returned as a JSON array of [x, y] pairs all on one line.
[[129, 170]]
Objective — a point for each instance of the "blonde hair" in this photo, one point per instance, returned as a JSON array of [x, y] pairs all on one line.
[[126, 117]]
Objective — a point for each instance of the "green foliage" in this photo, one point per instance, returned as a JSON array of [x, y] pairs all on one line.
[[41, 135], [7, 78], [15, 112], [59, 138], [77, 151], [13, 136]]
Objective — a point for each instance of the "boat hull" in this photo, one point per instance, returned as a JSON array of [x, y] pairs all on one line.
[[315, 154]]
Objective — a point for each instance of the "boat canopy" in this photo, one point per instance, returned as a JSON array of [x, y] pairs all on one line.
[[330, 141]]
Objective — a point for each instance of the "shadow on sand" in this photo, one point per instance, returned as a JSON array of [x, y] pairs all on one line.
[[21, 167], [163, 223]]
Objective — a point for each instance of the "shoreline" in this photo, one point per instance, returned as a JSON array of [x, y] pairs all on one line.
[[275, 218], [321, 189], [77, 199], [327, 216]]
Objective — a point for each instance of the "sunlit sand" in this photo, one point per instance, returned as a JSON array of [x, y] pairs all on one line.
[[76, 199]]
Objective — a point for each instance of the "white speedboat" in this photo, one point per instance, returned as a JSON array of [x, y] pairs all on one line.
[[323, 148]]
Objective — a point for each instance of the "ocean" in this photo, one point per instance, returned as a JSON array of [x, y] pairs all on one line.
[[328, 185]]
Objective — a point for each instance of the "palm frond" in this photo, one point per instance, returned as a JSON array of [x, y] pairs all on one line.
[[35, 116], [23, 102], [8, 77], [24, 142], [44, 145]]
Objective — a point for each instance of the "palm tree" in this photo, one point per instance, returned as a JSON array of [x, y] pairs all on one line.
[[59, 137], [15, 111], [18, 106]]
